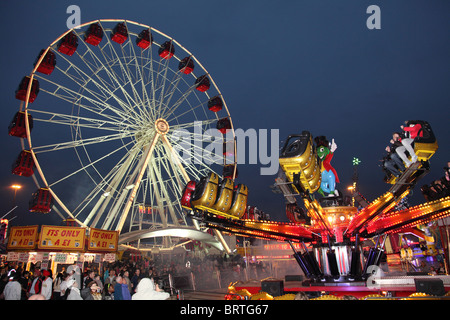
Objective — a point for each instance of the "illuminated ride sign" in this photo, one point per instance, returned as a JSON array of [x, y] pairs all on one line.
[[103, 240], [61, 238], [22, 237]]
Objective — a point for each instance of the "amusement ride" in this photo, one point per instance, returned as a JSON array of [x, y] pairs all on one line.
[[326, 236], [111, 123], [96, 124]]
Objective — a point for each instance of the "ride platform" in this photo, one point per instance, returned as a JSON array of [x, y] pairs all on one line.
[[387, 287]]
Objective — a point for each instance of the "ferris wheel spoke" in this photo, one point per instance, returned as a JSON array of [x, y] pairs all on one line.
[[192, 125], [113, 182], [90, 165], [156, 83], [163, 88], [73, 120], [156, 196], [98, 106], [83, 79], [172, 88], [147, 64], [171, 117], [170, 162], [126, 66], [164, 194], [81, 142], [136, 179], [96, 193], [195, 156], [140, 74], [184, 96], [107, 87], [114, 178], [123, 70], [151, 84]]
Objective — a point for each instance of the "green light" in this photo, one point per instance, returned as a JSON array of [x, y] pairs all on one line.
[[356, 161]]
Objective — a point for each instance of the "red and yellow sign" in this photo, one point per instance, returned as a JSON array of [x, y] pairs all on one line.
[[22, 237], [61, 238], [103, 240]]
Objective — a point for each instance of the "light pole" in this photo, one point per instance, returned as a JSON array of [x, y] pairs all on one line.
[[15, 187], [355, 163]]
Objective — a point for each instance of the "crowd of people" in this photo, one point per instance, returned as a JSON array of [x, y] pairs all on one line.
[[72, 284], [145, 279]]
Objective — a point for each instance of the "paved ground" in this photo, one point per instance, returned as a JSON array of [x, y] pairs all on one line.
[[216, 294]]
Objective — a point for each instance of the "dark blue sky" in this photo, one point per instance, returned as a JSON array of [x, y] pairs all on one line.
[[287, 65]]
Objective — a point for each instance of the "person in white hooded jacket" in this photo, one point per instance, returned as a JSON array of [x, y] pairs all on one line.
[[74, 294], [146, 291]]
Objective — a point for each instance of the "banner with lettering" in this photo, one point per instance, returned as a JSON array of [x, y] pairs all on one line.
[[110, 257], [61, 238], [12, 256], [22, 237], [103, 240]]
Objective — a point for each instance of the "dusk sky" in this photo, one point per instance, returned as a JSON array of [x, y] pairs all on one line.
[[286, 65]]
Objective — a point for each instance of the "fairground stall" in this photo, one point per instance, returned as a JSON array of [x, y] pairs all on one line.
[[54, 247]]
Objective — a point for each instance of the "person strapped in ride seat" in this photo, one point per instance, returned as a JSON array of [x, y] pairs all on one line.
[[407, 139]]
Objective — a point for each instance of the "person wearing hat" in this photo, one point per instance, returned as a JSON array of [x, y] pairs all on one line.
[[36, 283], [13, 288], [47, 285], [72, 288], [75, 272], [147, 290]]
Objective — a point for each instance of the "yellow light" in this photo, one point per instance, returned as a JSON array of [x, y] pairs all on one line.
[[16, 186]]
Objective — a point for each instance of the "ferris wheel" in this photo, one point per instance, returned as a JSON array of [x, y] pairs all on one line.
[[113, 121]]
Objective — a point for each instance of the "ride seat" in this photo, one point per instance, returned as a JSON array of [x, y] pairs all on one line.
[[424, 146], [69, 44], [239, 203], [120, 33], [300, 157], [205, 192], [17, 126], [187, 194], [144, 39], [47, 64], [21, 92], [24, 164], [41, 201], [186, 65], [224, 196], [94, 35]]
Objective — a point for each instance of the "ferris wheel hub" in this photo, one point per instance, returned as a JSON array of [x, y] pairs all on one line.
[[162, 126]]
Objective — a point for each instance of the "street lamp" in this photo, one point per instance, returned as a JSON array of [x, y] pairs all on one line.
[[15, 187]]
